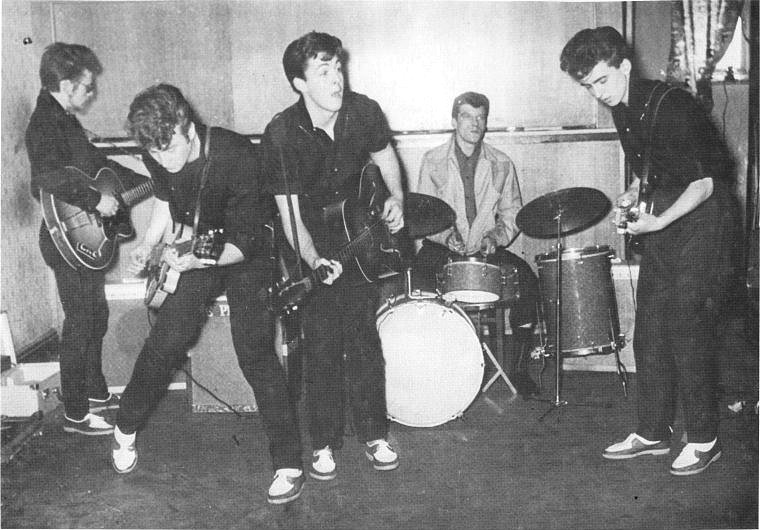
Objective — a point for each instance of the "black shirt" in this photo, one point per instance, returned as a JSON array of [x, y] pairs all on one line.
[[321, 171], [55, 139], [232, 197], [686, 145]]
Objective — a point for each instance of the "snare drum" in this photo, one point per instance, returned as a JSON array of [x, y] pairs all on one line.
[[474, 280], [589, 315], [433, 359]]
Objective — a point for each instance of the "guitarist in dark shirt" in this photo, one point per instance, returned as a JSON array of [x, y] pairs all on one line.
[[162, 122], [323, 141], [686, 240], [56, 140]]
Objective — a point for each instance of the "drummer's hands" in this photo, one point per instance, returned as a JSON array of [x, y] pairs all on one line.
[[393, 214], [644, 224], [455, 242], [487, 245], [335, 269]]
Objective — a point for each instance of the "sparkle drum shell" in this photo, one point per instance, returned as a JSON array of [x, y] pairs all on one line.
[[473, 280], [433, 359], [589, 314]]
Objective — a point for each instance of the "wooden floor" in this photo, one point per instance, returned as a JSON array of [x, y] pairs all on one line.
[[497, 467]]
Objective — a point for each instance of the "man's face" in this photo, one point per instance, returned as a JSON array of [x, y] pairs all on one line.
[[81, 92], [174, 157], [323, 83], [608, 84], [470, 124]]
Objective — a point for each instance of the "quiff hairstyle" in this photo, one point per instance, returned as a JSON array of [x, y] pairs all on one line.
[[310, 46], [589, 47], [61, 61], [155, 113]]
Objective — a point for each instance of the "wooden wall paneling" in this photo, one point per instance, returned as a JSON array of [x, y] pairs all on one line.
[[27, 286], [141, 43], [400, 55]]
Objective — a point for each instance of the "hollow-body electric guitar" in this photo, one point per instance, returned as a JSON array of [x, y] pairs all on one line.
[[162, 279], [364, 242], [87, 239]]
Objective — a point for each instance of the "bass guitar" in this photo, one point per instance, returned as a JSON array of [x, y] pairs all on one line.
[[162, 279], [87, 239], [365, 242]]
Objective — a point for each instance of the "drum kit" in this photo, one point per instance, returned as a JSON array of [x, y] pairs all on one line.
[[434, 356]]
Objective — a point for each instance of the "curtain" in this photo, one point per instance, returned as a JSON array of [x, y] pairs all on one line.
[[701, 31]]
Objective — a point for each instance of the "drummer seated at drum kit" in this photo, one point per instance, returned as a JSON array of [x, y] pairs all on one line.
[[480, 184]]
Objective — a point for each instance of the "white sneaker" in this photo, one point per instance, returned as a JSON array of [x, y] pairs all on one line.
[[323, 464], [286, 486], [123, 451], [382, 455], [90, 425]]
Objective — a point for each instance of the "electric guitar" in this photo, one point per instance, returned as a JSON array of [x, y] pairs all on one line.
[[87, 239], [628, 213], [365, 242], [162, 279]]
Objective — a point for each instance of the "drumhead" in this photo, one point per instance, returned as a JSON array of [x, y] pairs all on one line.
[[471, 296], [576, 253], [433, 361]]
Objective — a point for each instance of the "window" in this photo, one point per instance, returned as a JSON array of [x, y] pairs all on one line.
[[736, 56]]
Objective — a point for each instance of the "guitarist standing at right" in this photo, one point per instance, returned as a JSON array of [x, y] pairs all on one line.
[[313, 154], [687, 239], [55, 141]]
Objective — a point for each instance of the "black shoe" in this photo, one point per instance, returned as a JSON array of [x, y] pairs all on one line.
[[110, 402]]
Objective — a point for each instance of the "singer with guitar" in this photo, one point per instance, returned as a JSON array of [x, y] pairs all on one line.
[[313, 154], [64, 165], [687, 235], [205, 181]]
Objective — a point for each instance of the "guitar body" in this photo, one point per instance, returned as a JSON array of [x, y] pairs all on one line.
[[86, 239], [361, 236], [357, 225], [162, 279]]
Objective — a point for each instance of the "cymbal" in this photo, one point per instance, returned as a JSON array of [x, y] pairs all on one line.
[[425, 215], [576, 208]]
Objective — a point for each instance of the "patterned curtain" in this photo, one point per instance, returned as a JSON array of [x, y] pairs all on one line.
[[701, 31]]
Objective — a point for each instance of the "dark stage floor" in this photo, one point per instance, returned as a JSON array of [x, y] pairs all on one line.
[[497, 467]]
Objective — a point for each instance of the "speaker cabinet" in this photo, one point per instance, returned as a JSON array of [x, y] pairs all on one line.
[[216, 380]]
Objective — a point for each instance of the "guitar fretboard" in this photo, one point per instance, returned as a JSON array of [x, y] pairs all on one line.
[[138, 193]]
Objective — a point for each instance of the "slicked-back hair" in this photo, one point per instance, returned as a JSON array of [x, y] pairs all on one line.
[[309, 46], [470, 98], [589, 47], [61, 61], [155, 113]]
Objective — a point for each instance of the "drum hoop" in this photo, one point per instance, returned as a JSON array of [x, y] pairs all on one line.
[[570, 254], [401, 300]]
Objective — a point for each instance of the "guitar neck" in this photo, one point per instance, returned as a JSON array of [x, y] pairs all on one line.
[[138, 193]]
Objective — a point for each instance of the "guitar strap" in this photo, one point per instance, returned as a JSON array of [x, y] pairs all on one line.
[[204, 178], [651, 119]]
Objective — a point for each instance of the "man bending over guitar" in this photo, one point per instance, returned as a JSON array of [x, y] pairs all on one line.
[[63, 162], [312, 155], [203, 173], [674, 151]]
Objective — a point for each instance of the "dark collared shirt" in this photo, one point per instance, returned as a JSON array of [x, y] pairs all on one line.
[[467, 166], [321, 171], [54, 140], [232, 198], [686, 145]]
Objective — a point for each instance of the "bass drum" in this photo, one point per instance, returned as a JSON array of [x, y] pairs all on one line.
[[433, 359]]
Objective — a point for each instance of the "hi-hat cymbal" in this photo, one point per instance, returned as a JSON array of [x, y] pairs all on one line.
[[567, 210], [425, 215]]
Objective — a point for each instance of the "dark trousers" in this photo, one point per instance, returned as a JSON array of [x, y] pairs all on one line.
[[682, 292], [342, 346], [178, 326], [83, 297]]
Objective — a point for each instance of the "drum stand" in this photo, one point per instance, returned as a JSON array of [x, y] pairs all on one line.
[[499, 372]]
